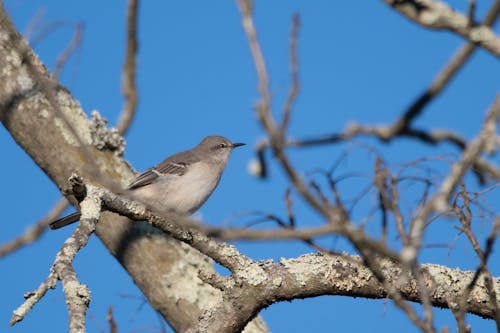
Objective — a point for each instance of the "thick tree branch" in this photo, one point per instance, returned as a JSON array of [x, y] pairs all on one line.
[[254, 285], [312, 194], [55, 132]]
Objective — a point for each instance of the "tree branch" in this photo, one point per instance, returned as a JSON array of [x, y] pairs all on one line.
[[77, 294], [55, 132], [437, 15], [129, 87], [34, 231], [254, 285]]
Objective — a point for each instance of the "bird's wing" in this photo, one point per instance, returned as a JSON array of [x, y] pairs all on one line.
[[174, 165]]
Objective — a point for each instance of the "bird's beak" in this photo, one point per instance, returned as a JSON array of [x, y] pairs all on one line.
[[238, 144]]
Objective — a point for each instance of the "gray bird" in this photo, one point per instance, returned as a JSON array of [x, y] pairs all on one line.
[[181, 183]]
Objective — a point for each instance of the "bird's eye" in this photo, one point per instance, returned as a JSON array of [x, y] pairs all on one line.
[[222, 145]]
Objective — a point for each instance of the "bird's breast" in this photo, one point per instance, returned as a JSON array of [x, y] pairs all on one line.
[[182, 194]]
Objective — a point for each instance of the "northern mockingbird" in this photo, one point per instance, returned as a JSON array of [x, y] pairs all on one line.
[[181, 183]]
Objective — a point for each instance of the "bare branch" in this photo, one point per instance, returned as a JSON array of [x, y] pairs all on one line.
[[66, 53], [112, 323], [481, 166], [129, 87], [264, 112], [381, 175], [471, 13], [222, 253], [445, 75], [437, 15], [41, 129], [439, 201], [402, 126], [258, 278], [77, 294], [34, 231], [464, 215], [32, 298], [312, 275], [264, 107], [34, 22], [294, 71], [397, 212]]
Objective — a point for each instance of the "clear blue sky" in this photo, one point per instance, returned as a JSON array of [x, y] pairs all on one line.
[[358, 62]]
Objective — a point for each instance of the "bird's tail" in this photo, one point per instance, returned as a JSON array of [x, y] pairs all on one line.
[[64, 221]]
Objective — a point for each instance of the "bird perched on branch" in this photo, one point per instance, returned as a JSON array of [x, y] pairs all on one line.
[[181, 183]]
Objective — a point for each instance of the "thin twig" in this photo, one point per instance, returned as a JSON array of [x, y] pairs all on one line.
[[34, 231], [381, 178], [111, 320], [129, 87], [263, 108], [402, 127], [445, 75], [471, 12], [398, 217], [34, 22], [439, 201], [68, 51], [294, 72], [77, 294], [464, 215]]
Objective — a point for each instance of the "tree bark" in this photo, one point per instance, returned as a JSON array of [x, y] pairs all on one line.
[[50, 126]]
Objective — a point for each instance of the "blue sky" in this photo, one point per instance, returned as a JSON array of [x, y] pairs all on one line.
[[196, 77]]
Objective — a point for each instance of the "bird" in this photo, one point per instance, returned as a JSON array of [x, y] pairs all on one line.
[[181, 183]]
